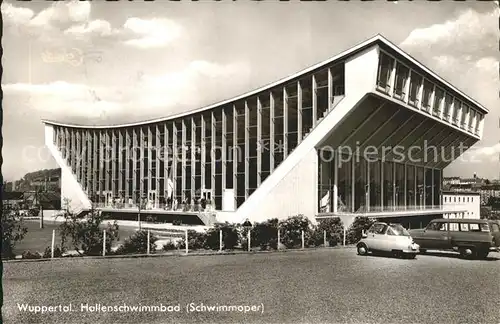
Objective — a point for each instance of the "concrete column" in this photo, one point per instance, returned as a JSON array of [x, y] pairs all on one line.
[[392, 80], [111, 148], [150, 160], [203, 151], [259, 141], [271, 132], [184, 156], [407, 87], [175, 159], [158, 146], [136, 156], [330, 89], [212, 165], [336, 181], [121, 166], [193, 158], [420, 93], [285, 123], [128, 146], [236, 154], [314, 101], [247, 149], [299, 113], [143, 189], [224, 149]]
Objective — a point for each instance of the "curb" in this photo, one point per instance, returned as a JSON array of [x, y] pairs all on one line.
[[179, 254]]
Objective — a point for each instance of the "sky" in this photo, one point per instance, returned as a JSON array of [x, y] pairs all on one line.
[[113, 62]]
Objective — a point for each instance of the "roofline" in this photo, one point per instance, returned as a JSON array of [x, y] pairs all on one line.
[[371, 41], [451, 192], [461, 220]]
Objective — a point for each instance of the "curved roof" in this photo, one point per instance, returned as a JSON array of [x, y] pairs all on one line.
[[353, 50]]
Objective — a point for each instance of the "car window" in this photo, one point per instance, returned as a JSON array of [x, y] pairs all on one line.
[[464, 227], [484, 227], [378, 228], [474, 227], [454, 227], [397, 229], [443, 227], [436, 226]]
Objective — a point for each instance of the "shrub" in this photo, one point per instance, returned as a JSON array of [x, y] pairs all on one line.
[[354, 232], [169, 246], [230, 237], [31, 255], [197, 241], [85, 234], [48, 252], [265, 234], [138, 243], [13, 231], [291, 231], [334, 231]]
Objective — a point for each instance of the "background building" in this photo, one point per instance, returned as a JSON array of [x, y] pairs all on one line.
[[470, 201], [297, 146]]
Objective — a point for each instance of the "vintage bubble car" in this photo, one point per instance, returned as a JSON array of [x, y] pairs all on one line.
[[389, 239]]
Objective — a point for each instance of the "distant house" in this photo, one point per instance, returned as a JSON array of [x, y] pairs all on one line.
[[13, 198]]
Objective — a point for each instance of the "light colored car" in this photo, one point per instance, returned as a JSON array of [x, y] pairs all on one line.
[[388, 238]]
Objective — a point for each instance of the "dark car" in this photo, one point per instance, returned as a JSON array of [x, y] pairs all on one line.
[[473, 238]]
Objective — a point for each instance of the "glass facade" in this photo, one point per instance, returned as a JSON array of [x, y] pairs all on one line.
[[369, 185], [235, 147]]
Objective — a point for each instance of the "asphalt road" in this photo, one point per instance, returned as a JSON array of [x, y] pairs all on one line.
[[328, 285]]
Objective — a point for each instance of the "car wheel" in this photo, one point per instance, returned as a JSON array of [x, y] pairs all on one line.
[[362, 249], [467, 252]]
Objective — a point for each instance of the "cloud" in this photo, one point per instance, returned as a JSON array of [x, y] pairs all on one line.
[[469, 32], [96, 27], [151, 33], [73, 19], [15, 16], [154, 95]]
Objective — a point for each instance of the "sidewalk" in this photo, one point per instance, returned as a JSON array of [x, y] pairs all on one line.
[[182, 253]]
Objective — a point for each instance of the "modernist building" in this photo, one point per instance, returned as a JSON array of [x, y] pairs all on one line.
[[350, 136]]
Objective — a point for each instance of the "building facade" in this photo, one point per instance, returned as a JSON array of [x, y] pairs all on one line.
[[367, 132], [470, 201]]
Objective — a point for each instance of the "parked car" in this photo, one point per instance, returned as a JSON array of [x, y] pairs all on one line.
[[472, 238], [388, 238]]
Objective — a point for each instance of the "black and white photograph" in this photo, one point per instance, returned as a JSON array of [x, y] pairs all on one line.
[[250, 161]]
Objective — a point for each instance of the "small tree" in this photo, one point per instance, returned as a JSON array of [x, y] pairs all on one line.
[[359, 225], [13, 231], [86, 234]]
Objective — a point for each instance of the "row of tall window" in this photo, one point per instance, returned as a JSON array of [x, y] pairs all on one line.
[[236, 146], [396, 79], [374, 185]]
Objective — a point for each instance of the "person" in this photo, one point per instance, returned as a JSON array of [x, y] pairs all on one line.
[[203, 203]]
